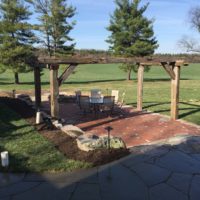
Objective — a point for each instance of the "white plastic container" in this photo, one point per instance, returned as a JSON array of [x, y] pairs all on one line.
[[38, 117], [4, 159]]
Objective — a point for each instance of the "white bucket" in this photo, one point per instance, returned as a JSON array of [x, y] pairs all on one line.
[[4, 159], [38, 117]]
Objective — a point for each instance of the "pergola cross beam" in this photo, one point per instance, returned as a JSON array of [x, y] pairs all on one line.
[[68, 70], [169, 69]]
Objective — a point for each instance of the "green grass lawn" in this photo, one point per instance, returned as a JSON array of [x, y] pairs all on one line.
[[28, 150], [108, 77]]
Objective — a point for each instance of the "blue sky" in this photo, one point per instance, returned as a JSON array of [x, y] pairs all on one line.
[[171, 22]]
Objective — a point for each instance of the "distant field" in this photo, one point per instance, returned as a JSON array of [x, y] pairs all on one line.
[[108, 77]]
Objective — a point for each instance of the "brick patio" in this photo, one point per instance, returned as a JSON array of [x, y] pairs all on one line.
[[135, 128]]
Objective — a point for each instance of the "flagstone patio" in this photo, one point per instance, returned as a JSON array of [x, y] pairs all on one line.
[[167, 170]]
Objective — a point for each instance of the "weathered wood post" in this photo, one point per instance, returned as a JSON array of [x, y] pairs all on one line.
[[140, 87], [175, 84], [37, 87], [54, 90]]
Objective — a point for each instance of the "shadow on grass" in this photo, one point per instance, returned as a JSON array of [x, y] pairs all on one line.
[[190, 110], [194, 108], [43, 83], [161, 79], [12, 83]]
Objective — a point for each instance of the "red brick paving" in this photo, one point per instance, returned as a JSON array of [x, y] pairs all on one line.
[[135, 128]]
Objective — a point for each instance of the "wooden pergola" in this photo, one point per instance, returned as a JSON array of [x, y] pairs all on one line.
[[173, 69]]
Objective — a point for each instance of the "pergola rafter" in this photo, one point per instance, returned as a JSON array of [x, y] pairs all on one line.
[[171, 67]]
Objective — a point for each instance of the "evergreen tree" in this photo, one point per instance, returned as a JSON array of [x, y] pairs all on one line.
[[16, 37], [54, 25], [131, 32]]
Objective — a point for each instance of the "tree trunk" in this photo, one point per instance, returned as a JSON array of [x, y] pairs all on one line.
[[54, 49], [48, 46], [129, 75], [16, 78]]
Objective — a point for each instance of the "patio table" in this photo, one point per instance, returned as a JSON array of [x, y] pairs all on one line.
[[96, 102]]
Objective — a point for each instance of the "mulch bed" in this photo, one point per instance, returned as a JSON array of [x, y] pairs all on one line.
[[64, 143]]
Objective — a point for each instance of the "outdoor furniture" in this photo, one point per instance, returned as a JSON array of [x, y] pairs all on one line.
[[108, 104], [119, 105], [96, 93], [121, 102], [84, 104], [115, 93], [78, 94], [96, 103]]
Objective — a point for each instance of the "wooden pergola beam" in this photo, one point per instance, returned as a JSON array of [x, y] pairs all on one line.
[[175, 86], [169, 69], [140, 87], [69, 69], [37, 87], [145, 61], [174, 71], [54, 91]]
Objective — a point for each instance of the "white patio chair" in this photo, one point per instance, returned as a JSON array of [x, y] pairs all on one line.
[[115, 93], [121, 103], [84, 103], [118, 107], [95, 93], [108, 104]]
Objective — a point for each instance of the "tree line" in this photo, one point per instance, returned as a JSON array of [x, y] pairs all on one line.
[[131, 32]]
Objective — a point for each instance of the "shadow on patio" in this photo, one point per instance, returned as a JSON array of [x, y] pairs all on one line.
[[168, 170], [134, 127]]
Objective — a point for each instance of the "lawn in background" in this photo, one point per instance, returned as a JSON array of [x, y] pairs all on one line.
[[28, 150], [108, 77]]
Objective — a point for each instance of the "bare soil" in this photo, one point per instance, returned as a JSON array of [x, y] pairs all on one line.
[[64, 143]]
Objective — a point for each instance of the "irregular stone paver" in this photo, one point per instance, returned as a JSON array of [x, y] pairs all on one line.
[[176, 140], [195, 191], [17, 188], [48, 191], [86, 191], [132, 160], [117, 182], [196, 156], [145, 154], [151, 174], [177, 161], [88, 176], [72, 131], [165, 192], [7, 179], [155, 150], [5, 198], [180, 181], [191, 144]]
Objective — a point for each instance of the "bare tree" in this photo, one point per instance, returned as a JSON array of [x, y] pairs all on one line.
[[186, 42], [194, 16], [189, 44]]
